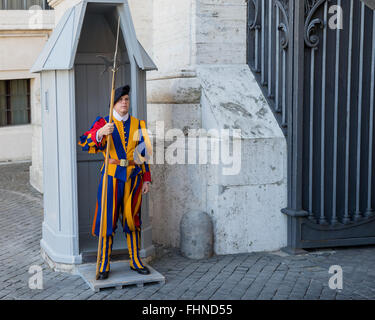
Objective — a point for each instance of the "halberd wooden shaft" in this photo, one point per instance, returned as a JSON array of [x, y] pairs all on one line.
[[106, 162]]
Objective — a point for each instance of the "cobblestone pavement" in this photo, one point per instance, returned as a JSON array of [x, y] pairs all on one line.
[[271, 275]]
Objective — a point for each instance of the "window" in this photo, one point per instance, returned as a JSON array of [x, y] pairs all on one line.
[[14, 102], [23, 4]]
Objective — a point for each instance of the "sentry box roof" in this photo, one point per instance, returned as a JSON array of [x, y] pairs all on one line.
[[60, 50]]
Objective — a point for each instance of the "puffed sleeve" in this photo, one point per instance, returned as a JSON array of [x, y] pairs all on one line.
[[143, 152], [88, 140]]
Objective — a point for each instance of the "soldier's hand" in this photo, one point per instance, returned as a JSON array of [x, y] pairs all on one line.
[[106, 130], [145, 187]]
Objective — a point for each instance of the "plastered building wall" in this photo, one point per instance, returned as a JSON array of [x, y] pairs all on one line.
[[23, 34]]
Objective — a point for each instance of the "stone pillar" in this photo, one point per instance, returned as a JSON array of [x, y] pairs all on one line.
[[174, 100], [142, 19], [203, 82]]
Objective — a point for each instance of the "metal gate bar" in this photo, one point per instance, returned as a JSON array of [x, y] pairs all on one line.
[[315, 63]]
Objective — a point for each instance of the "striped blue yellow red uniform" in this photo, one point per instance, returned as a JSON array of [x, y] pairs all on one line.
[[129, 141]]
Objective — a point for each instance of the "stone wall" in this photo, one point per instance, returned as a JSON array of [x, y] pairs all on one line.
[[220, 32], [244, 195], [203, 82]]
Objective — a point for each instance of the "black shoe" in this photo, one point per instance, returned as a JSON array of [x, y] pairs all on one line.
[[144, 270], [103, 275]]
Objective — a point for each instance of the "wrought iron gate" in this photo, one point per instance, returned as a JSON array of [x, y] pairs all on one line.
[[315, 62]]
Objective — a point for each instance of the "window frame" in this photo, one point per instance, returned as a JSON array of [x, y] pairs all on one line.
[[4, 5], [8, 106]]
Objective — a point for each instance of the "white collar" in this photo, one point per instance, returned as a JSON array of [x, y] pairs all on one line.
[[118, 117]]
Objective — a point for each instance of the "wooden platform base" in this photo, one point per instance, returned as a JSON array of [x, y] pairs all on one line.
[[121, 275]]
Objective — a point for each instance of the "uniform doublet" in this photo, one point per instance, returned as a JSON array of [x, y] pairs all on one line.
[[130, 141]]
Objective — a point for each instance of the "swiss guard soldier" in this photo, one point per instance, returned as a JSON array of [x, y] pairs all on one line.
[[128, 176]]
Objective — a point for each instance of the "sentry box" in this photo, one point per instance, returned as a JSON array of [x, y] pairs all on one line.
[[75, 89]]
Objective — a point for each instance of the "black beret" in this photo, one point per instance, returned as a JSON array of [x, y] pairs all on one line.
[[121, 91]]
